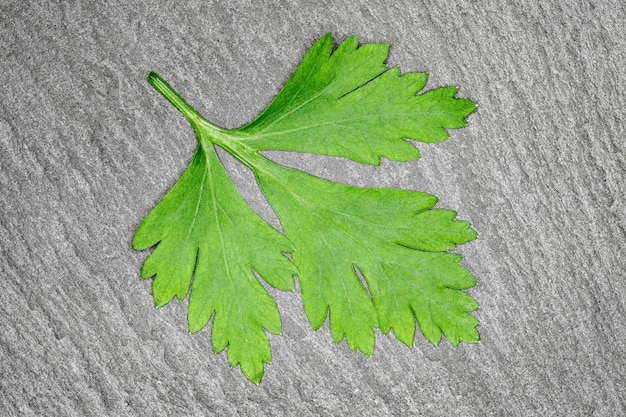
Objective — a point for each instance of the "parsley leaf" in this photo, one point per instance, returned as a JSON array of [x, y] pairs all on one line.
[[219, 241], [366, 258], [394, 238], [348, 104]]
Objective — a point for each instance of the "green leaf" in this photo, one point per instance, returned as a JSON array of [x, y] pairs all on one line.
[[346, 103], [205, 230], [366, 258], [394, 238]]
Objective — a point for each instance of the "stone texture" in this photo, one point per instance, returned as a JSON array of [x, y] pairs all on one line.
[[87, 147]]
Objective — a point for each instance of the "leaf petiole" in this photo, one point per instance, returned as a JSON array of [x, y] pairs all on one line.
[[173, 97], [206, 131]]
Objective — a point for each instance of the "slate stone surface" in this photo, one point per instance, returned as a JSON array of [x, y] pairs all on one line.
[[87, 147]]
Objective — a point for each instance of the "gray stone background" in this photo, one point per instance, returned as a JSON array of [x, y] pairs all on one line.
[[87, 148]]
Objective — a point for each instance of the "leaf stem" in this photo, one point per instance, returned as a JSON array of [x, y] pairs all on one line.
[[206, 132], [173, 97]]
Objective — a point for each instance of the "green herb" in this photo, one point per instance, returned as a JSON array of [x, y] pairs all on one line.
[[365, 257]]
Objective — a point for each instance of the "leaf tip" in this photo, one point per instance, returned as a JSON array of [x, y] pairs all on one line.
[[138, 243], [255, 378], [326, 39]]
